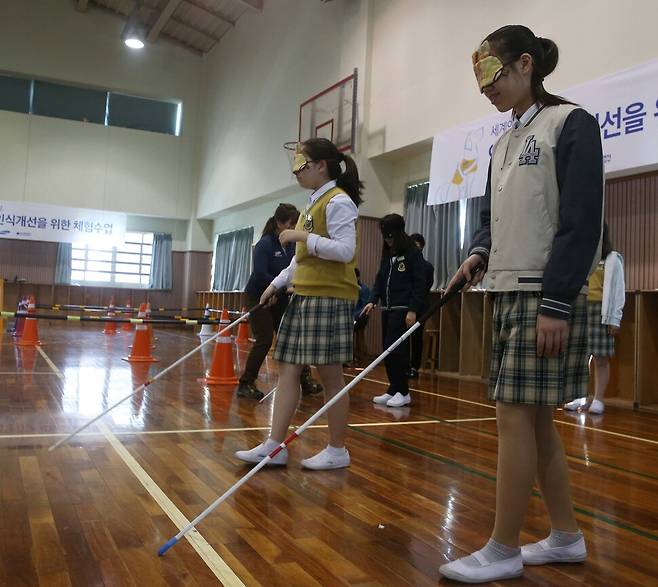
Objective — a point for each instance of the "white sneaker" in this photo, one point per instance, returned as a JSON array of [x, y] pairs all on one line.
[[541, 553], [258, 453], [508, 568], [399, 400], [575, 404], [324, 460], [596, 407], [382, 399]]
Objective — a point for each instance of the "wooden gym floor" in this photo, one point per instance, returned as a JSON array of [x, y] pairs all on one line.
[[420, 490]]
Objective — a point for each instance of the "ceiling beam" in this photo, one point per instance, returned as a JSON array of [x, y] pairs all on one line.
[[161, 21], [82, 5], [217, 15], [253, 4]]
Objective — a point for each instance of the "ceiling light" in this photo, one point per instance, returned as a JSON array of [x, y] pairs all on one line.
[[134, 33]]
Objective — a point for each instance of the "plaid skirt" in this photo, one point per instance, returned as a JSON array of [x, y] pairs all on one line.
[[316, 331], [518, 375], [599, 342]]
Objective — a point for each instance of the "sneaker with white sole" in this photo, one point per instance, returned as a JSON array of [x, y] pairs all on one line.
[[382, 399], [581, 402], [541, 553], [258, 453], [325, 460], [399, 400], [508, 568], [596, 407]]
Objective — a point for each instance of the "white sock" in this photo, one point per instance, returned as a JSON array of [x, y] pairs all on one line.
[[335, 452], [269, 445], [493, 551], [561, 538]]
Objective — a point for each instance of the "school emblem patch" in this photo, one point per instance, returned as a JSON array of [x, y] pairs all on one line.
[[401, 267], [530, 153], [308, 223]]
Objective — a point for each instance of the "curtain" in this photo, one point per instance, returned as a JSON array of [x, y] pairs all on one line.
[[161, 264], [232, 260], [472, 223], [441, 228], [63, 263]]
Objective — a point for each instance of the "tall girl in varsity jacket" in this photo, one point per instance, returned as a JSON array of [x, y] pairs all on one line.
[[317, 327], [539, 241], [400, 287]]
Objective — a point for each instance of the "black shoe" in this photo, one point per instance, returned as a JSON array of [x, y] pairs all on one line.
[[413, 373], [309, 387], [249, 391]]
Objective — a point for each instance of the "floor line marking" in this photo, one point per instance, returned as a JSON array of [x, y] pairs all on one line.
[[572, 424], [213, 560], [237, 429], [27, 373]]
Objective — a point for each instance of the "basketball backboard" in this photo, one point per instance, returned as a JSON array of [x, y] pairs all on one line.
[[331, 114]]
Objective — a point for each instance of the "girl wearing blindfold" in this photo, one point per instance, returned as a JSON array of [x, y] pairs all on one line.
[[317, 327], [538, 241]]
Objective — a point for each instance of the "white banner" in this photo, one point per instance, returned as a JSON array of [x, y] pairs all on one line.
[[43, 222], [624, 103]]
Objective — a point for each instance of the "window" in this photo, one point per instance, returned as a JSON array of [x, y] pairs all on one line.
[[143, 114], [69, 102], [128, 264], [15, 94], [89, 105]]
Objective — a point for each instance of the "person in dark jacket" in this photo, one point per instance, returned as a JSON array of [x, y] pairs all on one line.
[[400, 287], [269, 259], [417, 337]]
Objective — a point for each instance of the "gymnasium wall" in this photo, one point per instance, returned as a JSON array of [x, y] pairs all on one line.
[[88, 165], [415, 81]]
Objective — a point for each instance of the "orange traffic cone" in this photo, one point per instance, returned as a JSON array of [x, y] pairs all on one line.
[[127, 327], [110, 327], [140, 351], [30, 330], [221, 370], [243, 330]]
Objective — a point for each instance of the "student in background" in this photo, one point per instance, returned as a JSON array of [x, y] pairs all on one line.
[[270, 257], [605, 306], [400, 287], [416, 341], [360, 322]]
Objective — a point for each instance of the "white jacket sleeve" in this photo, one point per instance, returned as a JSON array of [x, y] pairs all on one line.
[[614, 290]]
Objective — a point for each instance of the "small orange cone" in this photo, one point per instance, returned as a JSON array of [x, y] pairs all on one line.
[[221, 370], [110, 327], [243, 330], [30, 330], [127, 327], [140, 352]]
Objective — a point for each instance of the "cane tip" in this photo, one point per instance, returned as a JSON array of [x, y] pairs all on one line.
[[167, 545]]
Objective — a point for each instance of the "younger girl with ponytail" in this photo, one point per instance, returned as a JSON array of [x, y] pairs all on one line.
[[317, 326]]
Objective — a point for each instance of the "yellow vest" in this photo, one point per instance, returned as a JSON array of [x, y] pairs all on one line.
[[595, 285], [318, 277]]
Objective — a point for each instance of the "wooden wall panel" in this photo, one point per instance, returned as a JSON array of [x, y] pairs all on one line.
[[632, 215]]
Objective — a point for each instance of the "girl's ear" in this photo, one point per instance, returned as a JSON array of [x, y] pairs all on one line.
[[526, 63]]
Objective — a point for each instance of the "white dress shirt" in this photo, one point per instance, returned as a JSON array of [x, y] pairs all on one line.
[[341, 227]]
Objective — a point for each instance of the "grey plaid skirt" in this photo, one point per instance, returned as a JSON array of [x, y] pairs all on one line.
[[599, 342], [316, 331], [518, 375]]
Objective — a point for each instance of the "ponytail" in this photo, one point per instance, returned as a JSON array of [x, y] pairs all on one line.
[[349, 181]]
